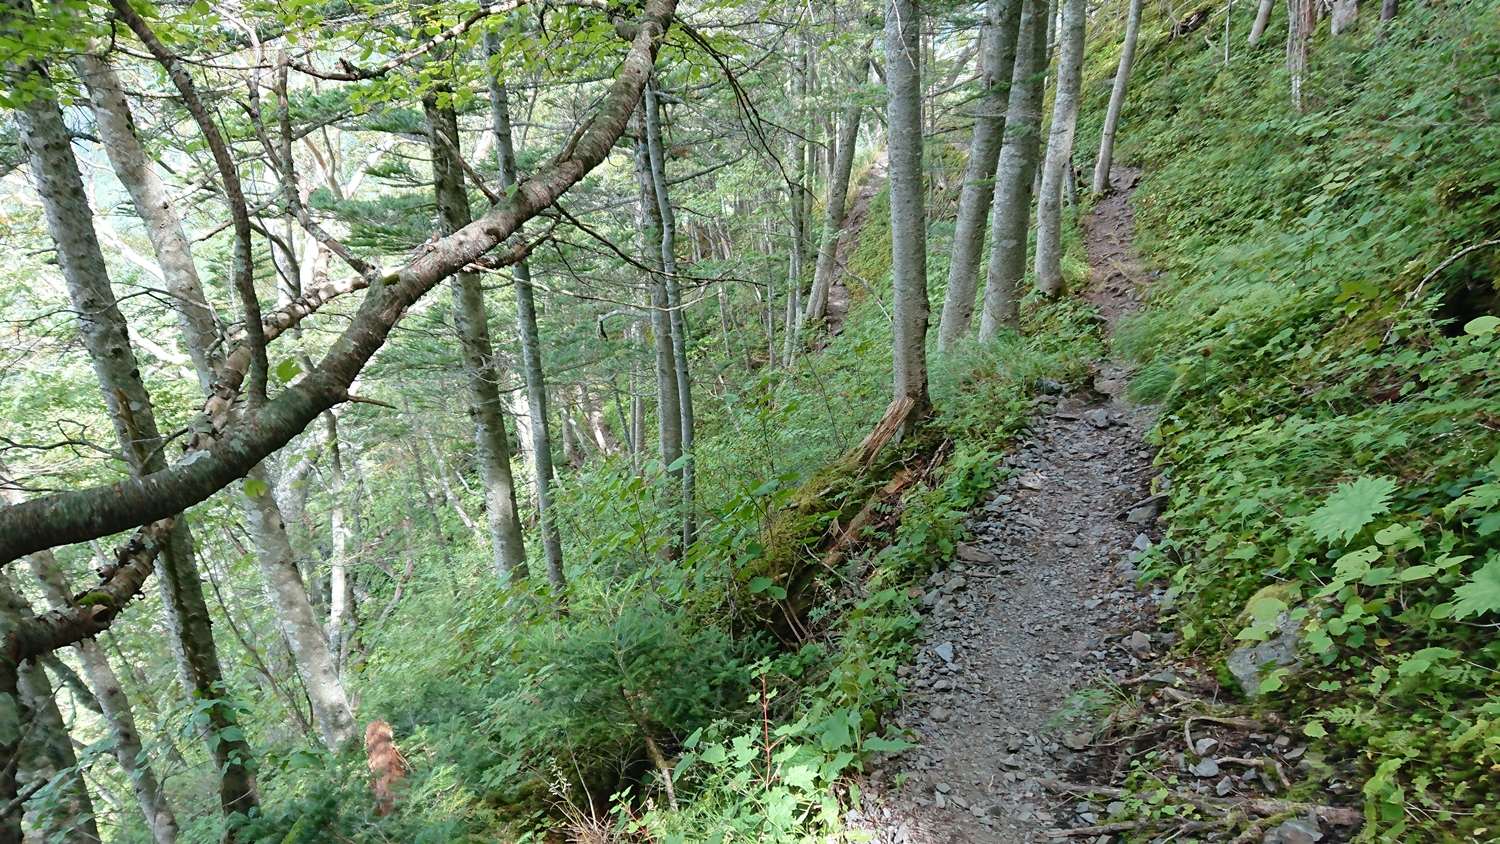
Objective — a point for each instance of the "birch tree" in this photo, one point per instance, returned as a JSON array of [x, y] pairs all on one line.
[[1117, 96], [903, 73], [1015, 173], [998, 59], [1058, 165]]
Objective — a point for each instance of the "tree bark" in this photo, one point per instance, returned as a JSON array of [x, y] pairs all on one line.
[[137, 172], [1262, 17], [668, 409], [1014, 174], [1342, 16], [1117, 94], [1388, 9], [1003, 21], [1299, 31], [903, 72], [833, 218], [46, 749], [677, 323], [531, 344], [105, 336], [1049, 276], [316, 662], [168, 240], [114, 705], [481, 376]]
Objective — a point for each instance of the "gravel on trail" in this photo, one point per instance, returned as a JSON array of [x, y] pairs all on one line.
[[1040, 605]]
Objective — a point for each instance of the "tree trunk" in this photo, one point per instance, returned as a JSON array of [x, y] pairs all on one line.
[[115, 706], [1388, 9], [1117, 95], [1060, 150], [46, 748], [677, 323], [1014, 174], [1003, 20], [471, 318], [317, 664], [105, 336], [668, 409], [153, 204], [1262, 17], [531, 344], [338, 531], [833, 219], [1343, 16], [1299, 31], [903, 72], [164, 227]]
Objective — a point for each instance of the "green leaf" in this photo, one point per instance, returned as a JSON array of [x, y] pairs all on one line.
[[1315, 729], [1481, 594], [254, 488], [765, 489], [714, 755], [1351, 507], [1482, 325], [287, 370], [1423, 660], [777, 592], [1417, 573], [888, 745], [759, 584]]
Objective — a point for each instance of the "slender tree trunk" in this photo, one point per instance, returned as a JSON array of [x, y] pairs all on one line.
[[317, 664], [339, 586], [1388, 9], [677, 323], [46, 749], [531, 344], [1014, 174], [164, 227], [1343, 16], [1060, 149], [105, 336], [471, 318], [104, 684], [1117, 96], [668, 409], [974, 200], [1299, 31], [903, 73], [833, 219], [1262, 17], [154, 205]]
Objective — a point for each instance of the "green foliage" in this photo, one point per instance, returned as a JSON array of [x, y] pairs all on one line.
[[1323, 434]]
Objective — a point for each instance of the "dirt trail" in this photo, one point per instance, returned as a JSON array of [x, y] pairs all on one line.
[[1042, 604]]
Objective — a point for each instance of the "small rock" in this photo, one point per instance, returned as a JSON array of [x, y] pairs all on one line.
[[1076, 741], [1138, 643], [969, 554], [938, 713], [1225, 787], [1142, 542], [1296, 752], [1205, 768], [1034, 481], [1089, 818], [1091, 603], [1115, 808], [943, 686], [1049, 386], [1204, 745], [1009, 761], [940, 802], [1068, 541], [943, 788], [977, 811], [1144, 511], [1098, 417], [945, 650], [1294, 832]]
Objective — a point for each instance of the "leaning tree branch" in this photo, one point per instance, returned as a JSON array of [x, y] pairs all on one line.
[[82, 515], [239, 212]]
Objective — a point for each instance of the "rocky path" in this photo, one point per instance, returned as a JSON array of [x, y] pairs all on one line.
[[1040, 606]]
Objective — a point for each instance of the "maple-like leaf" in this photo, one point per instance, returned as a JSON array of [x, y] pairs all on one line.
[[1352, 506], [1480, 595]]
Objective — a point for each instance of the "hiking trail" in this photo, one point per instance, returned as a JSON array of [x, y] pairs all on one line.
[[1041, 604]]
